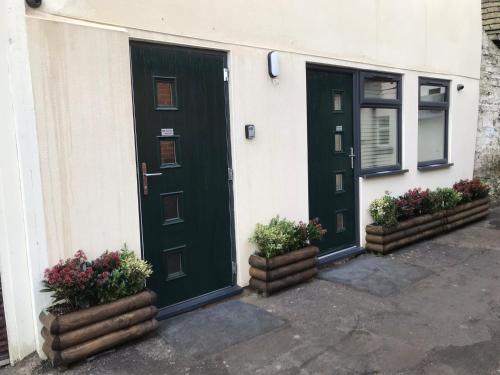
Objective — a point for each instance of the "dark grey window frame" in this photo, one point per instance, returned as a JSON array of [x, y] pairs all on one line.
[[382, 103], [423, 105]]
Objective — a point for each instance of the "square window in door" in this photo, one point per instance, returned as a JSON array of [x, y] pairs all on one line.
[[171, 204], [169, 151], [174, 262], [165, 93]]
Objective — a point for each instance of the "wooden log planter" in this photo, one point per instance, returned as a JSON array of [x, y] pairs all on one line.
[[273, 274], [76, 335], [384, 240]]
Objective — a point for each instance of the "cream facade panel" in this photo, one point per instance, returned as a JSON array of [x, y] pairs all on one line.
[[436, 36], [83, 104]]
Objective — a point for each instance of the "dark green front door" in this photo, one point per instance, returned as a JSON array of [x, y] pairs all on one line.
[[330, 143], [182, 155]]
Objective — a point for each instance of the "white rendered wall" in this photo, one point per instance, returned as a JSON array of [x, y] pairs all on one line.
[[23, 246], [83, 103], [412, 38]]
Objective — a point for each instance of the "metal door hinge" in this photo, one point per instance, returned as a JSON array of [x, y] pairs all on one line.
[[230, 174], [234, 267], [226, 75]]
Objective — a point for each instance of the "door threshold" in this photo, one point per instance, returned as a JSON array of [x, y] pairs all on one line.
[[197, 302], [336, 255]]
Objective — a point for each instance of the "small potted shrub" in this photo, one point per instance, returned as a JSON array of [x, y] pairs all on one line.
[[420, 214], [96, 305], [284, 255]]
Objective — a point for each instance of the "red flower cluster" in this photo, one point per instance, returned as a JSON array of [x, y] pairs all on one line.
[[471, 189], [75, 272], [107, 262], [413, 203]]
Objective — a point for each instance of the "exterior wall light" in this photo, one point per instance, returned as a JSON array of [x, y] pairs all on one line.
[[273, 64], [460, 87]]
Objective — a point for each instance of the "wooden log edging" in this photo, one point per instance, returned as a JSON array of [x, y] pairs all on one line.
[[378, 229], [77, 319], [88, 348], [274, 274], [74, 336], [384, 240]]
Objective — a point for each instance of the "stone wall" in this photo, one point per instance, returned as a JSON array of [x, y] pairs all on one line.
[[487, 161]]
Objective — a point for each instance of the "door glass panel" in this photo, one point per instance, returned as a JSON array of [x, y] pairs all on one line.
[[380, 88], [338, 101], [165, 93], [338, 142], [340, 222], [339, 181], [170, 207], [174, 264], [167, 151]]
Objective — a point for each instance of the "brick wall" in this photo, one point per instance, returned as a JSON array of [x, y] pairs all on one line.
[[491, 19]]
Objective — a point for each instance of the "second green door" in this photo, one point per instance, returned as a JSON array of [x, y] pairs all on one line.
[[330, 143]]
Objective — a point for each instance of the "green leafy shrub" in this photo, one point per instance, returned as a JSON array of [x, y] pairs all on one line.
[[78, 283], [282, 235], [383, 211], [445, 198]]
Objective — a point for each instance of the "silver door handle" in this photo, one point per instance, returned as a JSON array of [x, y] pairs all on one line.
[[145, 175], [352, 156]]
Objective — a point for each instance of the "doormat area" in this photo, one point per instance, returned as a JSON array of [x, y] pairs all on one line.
[[380, 276], [206, 331]]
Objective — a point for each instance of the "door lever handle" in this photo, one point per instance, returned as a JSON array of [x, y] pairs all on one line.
[[352, 156], [145, 175]]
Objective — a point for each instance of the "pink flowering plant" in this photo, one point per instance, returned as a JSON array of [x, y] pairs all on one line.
[[79, 283]]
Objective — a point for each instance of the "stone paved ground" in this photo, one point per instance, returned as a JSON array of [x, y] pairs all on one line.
[[432, 308]]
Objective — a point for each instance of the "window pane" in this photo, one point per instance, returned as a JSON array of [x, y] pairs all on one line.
[[339, 182], [337, 101], [431, 127], [379, 138], [381, 88], [338, 142], [432, 93], [167, 151]]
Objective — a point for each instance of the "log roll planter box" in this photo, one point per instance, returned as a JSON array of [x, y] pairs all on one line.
[[76, 335], [273, 274], [384, 240]]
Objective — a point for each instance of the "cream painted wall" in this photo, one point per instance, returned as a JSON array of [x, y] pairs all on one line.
[[428, 35], [89, 63], [81, 85]]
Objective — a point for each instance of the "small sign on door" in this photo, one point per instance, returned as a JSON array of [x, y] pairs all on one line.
[[167, 132]]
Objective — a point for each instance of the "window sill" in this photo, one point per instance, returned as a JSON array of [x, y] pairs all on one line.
[[432, 167], [384, 173]]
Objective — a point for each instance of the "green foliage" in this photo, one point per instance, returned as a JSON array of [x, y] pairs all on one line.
[[282, 235], [445, 198], [384, 211]]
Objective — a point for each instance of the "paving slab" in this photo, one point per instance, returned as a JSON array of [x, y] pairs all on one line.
[[430, 308], [376, 275], [209, 330]]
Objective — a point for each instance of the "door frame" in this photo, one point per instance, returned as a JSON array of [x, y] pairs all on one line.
[[356, 248], [233, 289]]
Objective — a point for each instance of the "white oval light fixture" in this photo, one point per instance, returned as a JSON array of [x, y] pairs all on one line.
[[273, 64]]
